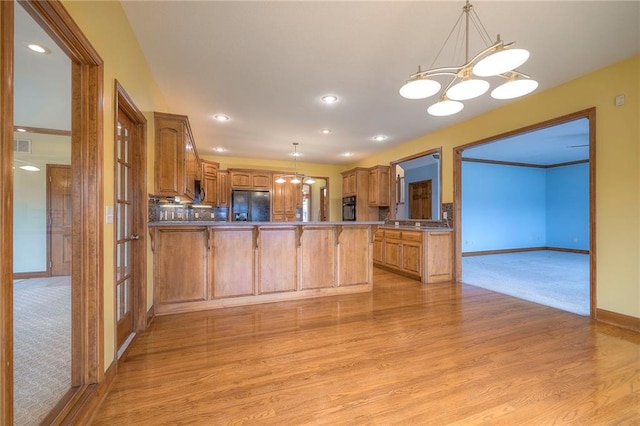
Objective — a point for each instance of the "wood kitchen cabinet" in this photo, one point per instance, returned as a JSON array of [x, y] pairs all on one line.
[[426, 255], [223, 188], [349, 183], [379, 186], [181, 259], [286, 199], [250, 179], [234, 264], [176, 163], [378, 246], [402, 251], [209, 183], [356, 182]]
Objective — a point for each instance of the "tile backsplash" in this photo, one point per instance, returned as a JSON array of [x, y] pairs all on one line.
[[447, 211]]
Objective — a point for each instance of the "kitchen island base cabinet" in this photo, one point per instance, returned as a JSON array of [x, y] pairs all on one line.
[[233, 264], [355, 255], [277, 260], [181, 264], [318, 247], [221, 265]]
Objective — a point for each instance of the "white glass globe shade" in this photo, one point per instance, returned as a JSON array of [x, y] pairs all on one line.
[[467, 89], [514, 88], [501, 62], [444, 108], [419, 89]]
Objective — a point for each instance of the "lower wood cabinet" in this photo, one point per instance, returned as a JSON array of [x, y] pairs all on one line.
[[181, 272], [277, 268], [212, 266], [426, 255], [233, 263]]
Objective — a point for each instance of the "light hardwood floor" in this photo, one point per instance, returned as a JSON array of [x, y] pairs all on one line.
[[407, 353]]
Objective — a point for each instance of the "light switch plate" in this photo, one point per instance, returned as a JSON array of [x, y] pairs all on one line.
[[108, 215]]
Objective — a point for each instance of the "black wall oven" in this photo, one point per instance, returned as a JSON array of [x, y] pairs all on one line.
[[349, 208]]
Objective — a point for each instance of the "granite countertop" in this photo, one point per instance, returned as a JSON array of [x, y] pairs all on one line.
[[248, 224], [413, 228]]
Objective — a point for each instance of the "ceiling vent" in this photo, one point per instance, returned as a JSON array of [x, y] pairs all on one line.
[[22, 145]]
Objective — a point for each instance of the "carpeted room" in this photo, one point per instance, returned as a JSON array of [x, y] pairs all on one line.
[[526, 221]]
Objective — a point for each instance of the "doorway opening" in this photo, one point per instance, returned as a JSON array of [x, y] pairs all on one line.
[[526, 219]]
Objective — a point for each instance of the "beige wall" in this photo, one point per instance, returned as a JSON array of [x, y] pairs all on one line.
[[618, 157], [107, 29]]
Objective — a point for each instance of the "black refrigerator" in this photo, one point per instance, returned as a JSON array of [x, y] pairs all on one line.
[[251, 206]]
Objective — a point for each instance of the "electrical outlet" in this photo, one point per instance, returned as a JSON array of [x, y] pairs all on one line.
[[445, 215]]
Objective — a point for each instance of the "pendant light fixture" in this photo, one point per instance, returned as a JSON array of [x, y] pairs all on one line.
[[295, 178], [496, 60]]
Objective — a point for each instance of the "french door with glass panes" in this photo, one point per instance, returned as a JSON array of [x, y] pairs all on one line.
[[123, 219]]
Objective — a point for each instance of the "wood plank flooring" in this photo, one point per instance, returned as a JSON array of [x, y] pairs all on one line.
[[405, 354]]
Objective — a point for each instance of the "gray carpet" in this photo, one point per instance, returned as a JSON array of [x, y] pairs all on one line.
[[550, 278], [42, 346]]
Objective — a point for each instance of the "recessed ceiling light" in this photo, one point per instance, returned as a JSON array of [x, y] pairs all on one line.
[[30, 168], [221, 117], [20, 129], [347, 154], [329, 99], [38, 48], [325, 131], [379, 138], [219, 149]]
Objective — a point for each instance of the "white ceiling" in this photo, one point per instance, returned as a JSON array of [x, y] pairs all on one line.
[[559, 144], [266, 64]]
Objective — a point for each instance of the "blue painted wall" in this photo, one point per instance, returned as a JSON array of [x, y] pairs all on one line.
[[425, 173], [568, 207], [511, 207]]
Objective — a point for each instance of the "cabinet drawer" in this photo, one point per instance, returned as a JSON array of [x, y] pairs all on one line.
[[393, 234], [380, 233], [412, 236]]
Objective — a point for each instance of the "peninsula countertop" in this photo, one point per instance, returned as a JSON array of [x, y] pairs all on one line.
[[260, 224]]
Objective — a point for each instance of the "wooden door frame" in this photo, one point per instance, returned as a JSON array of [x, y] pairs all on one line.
[[140, 210], [393, 190], [87, 203], [589, 114]]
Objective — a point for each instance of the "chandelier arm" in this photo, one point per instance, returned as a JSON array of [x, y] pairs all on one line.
[[436, 71], [484, 52], [512, 73]]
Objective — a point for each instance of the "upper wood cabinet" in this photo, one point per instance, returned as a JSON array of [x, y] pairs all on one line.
[[177, 166], [379, 186], [287, 197], [356, 182], [209, 182], [250, 179], [349, 183], [223, 188]]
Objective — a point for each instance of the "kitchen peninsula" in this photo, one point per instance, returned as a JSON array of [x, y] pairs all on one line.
[[204, 265]]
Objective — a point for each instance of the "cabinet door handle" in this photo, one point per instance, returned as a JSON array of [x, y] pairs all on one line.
[[135, 237]]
